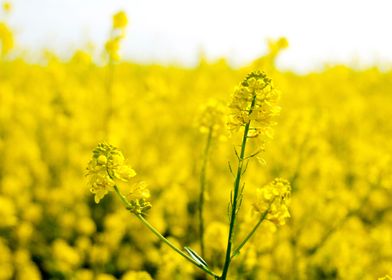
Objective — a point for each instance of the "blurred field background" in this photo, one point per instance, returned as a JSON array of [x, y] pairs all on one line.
[[332, 142]]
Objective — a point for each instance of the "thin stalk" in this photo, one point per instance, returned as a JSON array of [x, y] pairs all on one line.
[[236, 251], [162, 238], [203, 176], [237, 184], [109, 95]]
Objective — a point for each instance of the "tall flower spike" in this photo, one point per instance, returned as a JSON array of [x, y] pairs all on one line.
[[112, 45], [106, 169], [255, 102], [273, 199]]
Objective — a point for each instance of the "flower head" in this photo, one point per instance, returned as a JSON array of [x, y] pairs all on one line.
[[254, 104], [273, 199], [212, 118], [6, 39], [7, 7], [120, 20], [105, 168], [112, 47]]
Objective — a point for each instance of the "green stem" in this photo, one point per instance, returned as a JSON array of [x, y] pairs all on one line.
[[236, 251], [109, 96], [162, 238], [237, 183], [203, 177]]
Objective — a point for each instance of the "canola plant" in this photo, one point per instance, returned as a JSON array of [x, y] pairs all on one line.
[[198, 208]]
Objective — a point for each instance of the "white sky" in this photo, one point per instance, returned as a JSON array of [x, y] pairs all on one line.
[[176, 30]]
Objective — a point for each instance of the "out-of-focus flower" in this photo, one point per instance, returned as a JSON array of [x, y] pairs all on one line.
[[136, 275], [6, 39], [273, 199], [7, 213], [212, 118], [112, 45], [7, 7], [120, 20]]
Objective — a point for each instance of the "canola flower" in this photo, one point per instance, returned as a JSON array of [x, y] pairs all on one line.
[[107, 166], [120, 20], [212, 119], [6, 39], [106, 169], [253, 109], [254, 106], [112, 45], [7, 7], [272, 201]]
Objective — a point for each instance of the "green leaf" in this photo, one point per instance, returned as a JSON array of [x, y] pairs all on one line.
[[195, 256]]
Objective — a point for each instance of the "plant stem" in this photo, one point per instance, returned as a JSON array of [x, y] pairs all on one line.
[[109, 96], [236, 251], [203, 177], [162, 238], [237, 184]]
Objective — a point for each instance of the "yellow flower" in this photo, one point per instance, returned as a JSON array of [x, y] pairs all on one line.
[[254, 104], [136, 275], [212, 118], [112, 47], [6, 39], [7, 7], [106, 169], [120, 20], [107, 166], [386, 277], [272, 199]]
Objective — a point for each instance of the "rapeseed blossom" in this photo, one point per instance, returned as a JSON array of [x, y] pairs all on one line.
[[6, 39], [272, 201], [7, 7], [106, 168], [112, 45], [120, 20], [254, 104], [212, 118]]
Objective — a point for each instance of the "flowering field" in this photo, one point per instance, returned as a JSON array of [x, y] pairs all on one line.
[[178, 133]]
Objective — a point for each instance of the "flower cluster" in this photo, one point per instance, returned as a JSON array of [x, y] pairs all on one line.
[[7, 7], [106, 168], [254, 104], [120, 20], [272, 199], [212, 118], [112, 46], [6, 39]]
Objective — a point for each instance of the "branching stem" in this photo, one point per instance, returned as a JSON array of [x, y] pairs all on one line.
[[237, 184], [126, 203]]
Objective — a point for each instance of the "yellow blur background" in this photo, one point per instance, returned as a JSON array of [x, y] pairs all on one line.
[[332, 142]]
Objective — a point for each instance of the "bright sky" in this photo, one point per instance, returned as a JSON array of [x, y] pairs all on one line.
[[350, 31]]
